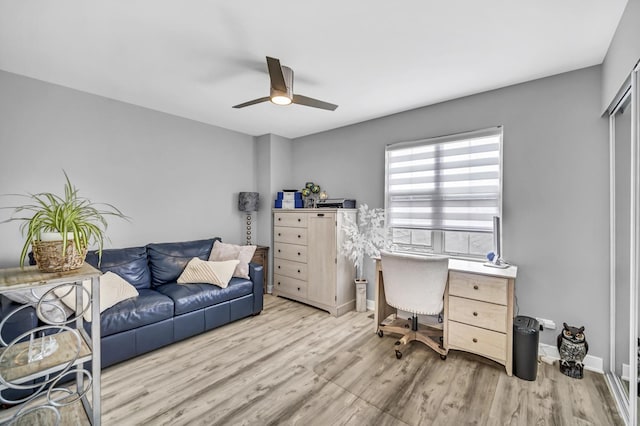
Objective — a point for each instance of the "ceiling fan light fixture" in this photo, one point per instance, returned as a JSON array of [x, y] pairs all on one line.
[[281, 78], [280, 99], [283, 95]]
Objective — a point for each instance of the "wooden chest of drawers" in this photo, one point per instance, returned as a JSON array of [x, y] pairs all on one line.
[[307, 266], [479, 313]]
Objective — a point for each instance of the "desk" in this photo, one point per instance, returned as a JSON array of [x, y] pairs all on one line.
[[478, 309]]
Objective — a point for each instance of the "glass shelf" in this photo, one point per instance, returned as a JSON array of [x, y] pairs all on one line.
[[74, 348], [18, 278], [15, 367], [73, 414]]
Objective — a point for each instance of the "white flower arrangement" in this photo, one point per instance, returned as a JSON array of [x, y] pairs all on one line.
[[365, 237]]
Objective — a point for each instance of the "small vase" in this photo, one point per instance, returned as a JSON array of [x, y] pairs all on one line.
[[361, 295], [54, 236]]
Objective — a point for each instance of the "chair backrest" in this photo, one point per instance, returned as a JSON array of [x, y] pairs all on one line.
[[414, 283]]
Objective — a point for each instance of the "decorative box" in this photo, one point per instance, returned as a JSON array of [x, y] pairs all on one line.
[[289, 196], [289, 204]]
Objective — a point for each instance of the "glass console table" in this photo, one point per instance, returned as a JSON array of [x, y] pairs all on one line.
[[36, 360]]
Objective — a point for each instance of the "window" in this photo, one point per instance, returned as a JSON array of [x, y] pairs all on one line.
[[441, 194]]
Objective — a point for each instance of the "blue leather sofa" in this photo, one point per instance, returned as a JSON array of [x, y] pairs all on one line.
[[164, 311]]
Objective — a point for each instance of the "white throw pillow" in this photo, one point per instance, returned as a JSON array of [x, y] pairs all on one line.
[[243, 254], [113, 289], [201, 271], [52, 309]]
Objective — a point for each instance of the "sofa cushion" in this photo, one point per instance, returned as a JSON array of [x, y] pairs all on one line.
[[190, 297], [147, 308], [19, 322], [168, 260], [129, 263]]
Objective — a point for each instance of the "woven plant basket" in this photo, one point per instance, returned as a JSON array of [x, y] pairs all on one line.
[[49, 256]]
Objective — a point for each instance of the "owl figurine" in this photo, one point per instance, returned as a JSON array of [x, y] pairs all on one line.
[[573, 347]]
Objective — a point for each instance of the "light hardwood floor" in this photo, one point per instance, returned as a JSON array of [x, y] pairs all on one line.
[[294, 364]]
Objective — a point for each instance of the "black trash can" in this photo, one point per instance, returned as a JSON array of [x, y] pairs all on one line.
[[525, 347]]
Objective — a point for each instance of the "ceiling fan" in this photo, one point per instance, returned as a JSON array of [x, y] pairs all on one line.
[[282, 89]]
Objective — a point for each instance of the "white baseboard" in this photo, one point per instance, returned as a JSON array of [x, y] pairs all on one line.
[[371, 305], [591, 363], [625, 372]]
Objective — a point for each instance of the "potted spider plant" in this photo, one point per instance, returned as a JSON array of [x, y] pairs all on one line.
[[61, 228], [364, 236]]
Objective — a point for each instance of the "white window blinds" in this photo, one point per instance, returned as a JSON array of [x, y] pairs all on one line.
[[448, 183]]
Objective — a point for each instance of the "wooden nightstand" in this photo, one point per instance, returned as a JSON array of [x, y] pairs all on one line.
[[261, 257]]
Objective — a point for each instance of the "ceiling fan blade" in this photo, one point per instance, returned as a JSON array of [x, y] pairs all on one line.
[[253, 102], [276, 75], [315, 103]]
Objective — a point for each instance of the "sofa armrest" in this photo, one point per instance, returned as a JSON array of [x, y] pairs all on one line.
[[20, 322], [256, 274]]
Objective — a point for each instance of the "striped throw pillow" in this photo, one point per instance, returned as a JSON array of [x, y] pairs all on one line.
[[202, 271]]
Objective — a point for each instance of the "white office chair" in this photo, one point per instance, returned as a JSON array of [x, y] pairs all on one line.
[[415, 284]]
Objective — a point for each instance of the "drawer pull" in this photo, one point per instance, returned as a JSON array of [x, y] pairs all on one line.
[[279, 234], [278, 266], [475, 314], [299, 219], [298, 270], [475, 340], [278, 282], [320, 214], [298, 253], [298, 288], [278, 250], [279, 219], [475, 287], [299, 236]]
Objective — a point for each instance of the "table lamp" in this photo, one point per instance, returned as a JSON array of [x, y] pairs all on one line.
[[248, 202]]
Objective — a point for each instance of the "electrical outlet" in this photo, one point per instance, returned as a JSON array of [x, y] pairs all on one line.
[[546, 324]]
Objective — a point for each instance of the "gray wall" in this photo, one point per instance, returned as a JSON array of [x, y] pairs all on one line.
[[263, 186], [177, 179], [273, 155], [555, 209], [623, 53]]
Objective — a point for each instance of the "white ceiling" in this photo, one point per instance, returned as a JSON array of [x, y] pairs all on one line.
[[197, 58]]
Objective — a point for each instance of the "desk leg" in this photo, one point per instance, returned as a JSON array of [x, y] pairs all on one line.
[[382, 310], [445, 320]]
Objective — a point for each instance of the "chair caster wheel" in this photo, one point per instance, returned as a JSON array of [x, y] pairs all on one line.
[[443, 357], [380, 333], [398, 354]]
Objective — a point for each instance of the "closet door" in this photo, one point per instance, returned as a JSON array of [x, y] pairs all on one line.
[[634, 258], [622, 241], [625, 249]]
